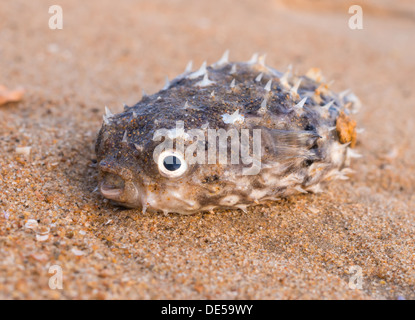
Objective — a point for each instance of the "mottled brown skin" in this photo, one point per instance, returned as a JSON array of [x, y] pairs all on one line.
[[346, 129], [298, 147]]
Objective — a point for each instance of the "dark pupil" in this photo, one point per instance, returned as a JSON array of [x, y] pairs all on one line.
[[172, 163]]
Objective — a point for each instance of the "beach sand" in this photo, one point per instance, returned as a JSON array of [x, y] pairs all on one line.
[[304, 247]]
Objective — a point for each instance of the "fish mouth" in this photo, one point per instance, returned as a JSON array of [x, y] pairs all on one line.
[[110, 193], [112, 187]]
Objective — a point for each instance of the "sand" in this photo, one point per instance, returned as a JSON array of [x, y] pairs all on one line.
[[303, 247]]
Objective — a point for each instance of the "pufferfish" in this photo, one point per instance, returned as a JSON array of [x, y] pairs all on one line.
[[227, 136]]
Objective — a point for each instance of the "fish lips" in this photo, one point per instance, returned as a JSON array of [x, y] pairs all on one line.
[[111, 192], [116, 184]]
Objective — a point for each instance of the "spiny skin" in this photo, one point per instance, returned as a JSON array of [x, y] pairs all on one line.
[[299, 139]]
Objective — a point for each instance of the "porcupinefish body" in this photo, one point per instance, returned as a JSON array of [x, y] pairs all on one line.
[[229, 135]]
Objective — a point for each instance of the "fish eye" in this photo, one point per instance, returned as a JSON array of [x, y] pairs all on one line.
[[171, 164]]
